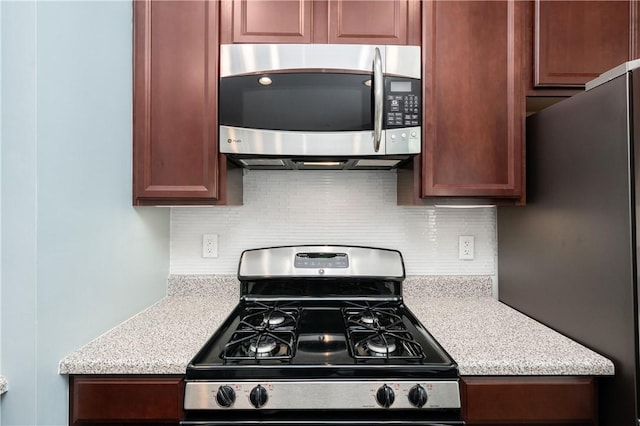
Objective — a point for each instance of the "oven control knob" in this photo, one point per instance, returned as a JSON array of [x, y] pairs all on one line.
[[418, 396], [226, 396], [258, 396], [385, 396]]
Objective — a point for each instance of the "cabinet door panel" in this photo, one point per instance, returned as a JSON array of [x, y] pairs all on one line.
[[474, 104], [528, 400], [112, 399], [321, 21], [374, 22], [175, 96], [575, 41], [266, 21]]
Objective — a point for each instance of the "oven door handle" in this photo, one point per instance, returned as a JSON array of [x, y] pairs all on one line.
[[378, 94]]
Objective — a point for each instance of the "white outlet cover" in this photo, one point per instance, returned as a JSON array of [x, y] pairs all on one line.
[[466, 247], [210, 245]]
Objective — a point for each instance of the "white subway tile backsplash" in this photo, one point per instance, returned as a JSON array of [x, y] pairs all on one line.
[[332, 207]]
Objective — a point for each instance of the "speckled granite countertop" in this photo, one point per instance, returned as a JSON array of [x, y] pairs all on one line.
[[163, 338], [3, 385], [484, 336]]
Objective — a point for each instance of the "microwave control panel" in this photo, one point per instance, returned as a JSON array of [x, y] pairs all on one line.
[[403, 106]]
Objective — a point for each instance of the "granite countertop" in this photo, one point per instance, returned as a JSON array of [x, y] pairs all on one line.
[[163, 338], [484, 336], [4, 386]]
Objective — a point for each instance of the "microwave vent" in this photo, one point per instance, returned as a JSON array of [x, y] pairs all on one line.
[[311, 164], [263, 162], [376, 163]]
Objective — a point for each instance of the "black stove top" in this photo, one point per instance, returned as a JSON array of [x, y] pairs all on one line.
[[309, 339]]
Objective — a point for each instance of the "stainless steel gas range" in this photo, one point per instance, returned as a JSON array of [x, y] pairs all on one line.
[[321, 337]]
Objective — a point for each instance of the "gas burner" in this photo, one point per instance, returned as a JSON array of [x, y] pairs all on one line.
[[263, 347], [274, 317], [367, 319], [375, 320], [378, 345], [396, 345], [377, 317]]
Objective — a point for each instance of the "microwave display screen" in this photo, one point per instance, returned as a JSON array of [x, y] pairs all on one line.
[[400, 86], [320, 102]]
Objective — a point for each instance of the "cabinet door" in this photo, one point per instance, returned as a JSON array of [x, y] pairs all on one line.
[[127, 399], [575, 41], [374, 22], [266, 21], [529, 400], [321, 21], [175, 147], [473, 127]]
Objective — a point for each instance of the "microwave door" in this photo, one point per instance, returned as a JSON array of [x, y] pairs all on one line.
[[298, 102], [321, 101]]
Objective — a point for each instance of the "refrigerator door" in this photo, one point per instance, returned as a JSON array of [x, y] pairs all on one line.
[[568, 257]]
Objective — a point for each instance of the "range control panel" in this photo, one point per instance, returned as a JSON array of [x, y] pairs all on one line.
[[403, 106], [321, 260], [325, 395]]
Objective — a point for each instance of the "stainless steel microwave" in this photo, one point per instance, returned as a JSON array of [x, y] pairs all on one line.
[[312, 106]]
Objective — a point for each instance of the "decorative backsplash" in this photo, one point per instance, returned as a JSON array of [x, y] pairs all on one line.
[[332, 207]]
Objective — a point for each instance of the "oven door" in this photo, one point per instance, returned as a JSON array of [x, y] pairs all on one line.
[[416, 417], [328, 423], [313, 421]]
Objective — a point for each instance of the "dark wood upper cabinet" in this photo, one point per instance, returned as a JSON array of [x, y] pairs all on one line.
[[175, 146], [321, 21], [576, 41], [273, 21], [374, 22], [473, 126]]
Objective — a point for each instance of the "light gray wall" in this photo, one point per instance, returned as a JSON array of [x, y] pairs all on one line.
[[76, 257], [0, 205], [18, 211]]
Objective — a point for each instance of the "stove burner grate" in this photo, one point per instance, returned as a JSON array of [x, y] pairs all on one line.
[[379, 316], [265, 332], [263, 316], [378, 332], [261, 345], [384, 345]]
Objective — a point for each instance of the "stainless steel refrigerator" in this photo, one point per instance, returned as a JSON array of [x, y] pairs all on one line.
[[569, 258]]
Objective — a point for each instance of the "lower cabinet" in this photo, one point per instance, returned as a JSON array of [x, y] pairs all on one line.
[[148, 400], [513, 400], [520, 400]]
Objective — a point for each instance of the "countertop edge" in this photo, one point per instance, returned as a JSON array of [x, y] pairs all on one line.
[[4, 385]]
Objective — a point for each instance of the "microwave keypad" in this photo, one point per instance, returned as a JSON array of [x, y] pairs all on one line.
[[402, 111]]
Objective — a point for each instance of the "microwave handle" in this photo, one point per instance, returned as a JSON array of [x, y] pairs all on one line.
[[378, 94]]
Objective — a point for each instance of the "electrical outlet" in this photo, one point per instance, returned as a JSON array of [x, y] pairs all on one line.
[[465, 247], [210, 245]]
